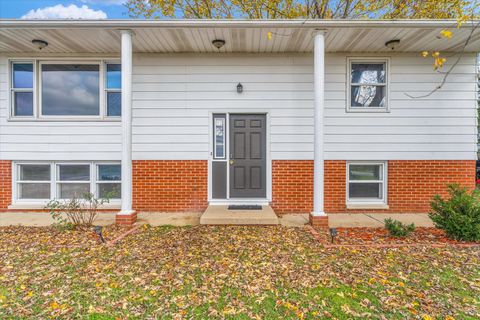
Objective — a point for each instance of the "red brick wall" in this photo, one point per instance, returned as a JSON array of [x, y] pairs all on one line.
[[170, 185], [411, 184], [5, 184], [292, 186]]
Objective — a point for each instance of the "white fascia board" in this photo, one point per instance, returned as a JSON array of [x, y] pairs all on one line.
[[240, 23]]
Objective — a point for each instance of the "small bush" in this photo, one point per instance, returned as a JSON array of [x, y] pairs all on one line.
[[459, 215], [75, 212], [397, 229]]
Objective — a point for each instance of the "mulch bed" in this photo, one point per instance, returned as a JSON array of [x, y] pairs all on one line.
[[379, 237]]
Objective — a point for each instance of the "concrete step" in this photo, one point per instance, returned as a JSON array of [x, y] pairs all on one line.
[[220, 215]]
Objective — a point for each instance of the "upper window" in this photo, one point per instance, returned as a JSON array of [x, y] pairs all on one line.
[[368, 86], [113, 90], [67, 90], [366, 182], [22, 89], [70, 89]]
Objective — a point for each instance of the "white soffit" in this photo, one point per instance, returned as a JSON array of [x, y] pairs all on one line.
[[169, 36]]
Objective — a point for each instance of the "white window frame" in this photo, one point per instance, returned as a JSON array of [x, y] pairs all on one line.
[[98, 181], [386, 84], [13, 90], [384, 182], [107, 90], [17, 181], [58, 182], [222, 117], [55, 181], [37, 90]]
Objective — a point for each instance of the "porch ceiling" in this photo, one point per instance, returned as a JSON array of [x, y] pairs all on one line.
[[169, 36]]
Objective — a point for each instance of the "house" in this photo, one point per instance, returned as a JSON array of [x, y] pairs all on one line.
[[317, 117]]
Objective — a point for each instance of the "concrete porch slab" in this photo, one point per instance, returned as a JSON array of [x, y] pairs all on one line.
[[220, 215]]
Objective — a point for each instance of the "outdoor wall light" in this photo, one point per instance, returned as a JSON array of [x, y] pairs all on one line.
[[333, 233], [239, 88], [218, 43], [40, 44], [392, 44]]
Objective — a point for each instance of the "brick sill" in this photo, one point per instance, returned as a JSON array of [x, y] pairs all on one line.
[[367, 206]]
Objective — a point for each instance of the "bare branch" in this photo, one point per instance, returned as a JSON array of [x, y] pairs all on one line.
[[449, 71]]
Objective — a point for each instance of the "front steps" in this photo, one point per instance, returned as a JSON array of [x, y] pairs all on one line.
[[220, 215]]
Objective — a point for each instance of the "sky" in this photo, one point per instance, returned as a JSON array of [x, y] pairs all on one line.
[[63, 9]]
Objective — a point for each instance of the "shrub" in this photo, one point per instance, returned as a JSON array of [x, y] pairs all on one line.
[[75, 212], [459, 215], [397, 229]]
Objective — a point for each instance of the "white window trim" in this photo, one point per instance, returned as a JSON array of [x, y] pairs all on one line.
[[37, 114], [98, 181], [107, 90], [367, 203], [18, 203], [11, 112], [367, 60], [222, 117]]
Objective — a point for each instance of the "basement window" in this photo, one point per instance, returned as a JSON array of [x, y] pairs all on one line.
[[66, 180], [366, 182]]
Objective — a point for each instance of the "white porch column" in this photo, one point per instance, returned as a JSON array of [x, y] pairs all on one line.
[[319, 105], [126, 122]]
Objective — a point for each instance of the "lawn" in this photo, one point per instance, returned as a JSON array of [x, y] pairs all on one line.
[[229, 272]]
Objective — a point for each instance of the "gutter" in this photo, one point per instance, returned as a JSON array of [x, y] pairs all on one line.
[[204, 23]]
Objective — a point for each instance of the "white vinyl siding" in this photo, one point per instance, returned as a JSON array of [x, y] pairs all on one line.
[[175, 95]]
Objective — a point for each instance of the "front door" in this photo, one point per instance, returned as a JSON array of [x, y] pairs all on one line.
[[248, 163]]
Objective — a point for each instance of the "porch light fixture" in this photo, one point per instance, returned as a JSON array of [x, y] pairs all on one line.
[[40, 44], [218, 43], [333, 233], [239, 88], [392, 44]]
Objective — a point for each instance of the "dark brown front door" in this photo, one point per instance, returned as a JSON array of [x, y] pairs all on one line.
[[248, 156]]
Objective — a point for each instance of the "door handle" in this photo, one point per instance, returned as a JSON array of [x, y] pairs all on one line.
[[231, 162]]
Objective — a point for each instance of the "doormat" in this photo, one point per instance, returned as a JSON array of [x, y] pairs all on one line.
[[244, 207]]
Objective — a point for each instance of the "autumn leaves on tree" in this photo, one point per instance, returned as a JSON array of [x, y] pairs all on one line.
[[303, 9]]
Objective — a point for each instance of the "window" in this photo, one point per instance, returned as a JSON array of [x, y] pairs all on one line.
[[368, 86], [70, 89], [46, 181], [73, 180], [366, 182], [219, 138], [109, 181], [22, 89], [33, 181], [113, 90], [65, 90]]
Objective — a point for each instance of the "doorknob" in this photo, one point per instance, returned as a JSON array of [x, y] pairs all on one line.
[[231, 162]]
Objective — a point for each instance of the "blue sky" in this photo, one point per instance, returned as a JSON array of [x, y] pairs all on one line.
[[41, 9]]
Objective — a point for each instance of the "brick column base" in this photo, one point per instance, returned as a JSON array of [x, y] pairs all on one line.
[[319, 221], [126, 219]]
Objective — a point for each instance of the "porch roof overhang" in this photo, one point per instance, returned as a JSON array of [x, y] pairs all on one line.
[[250, 36]]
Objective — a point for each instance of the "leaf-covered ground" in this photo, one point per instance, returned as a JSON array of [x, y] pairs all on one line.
[[229, 272]]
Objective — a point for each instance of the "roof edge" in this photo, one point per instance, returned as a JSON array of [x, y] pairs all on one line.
[[233, 23]]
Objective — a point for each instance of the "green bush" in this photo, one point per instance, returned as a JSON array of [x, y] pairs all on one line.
[[459, 214], [397, 229]]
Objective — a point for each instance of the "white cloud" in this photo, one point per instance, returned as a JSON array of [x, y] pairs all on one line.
[[61, 12], [105, 2]]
